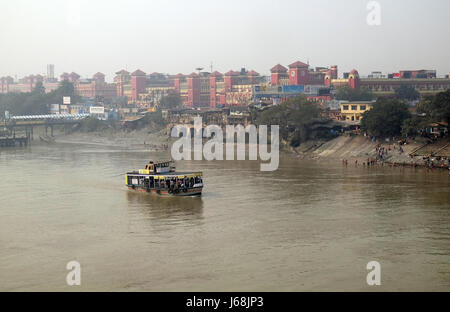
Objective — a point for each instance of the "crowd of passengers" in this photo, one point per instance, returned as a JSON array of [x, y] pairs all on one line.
[[174, 183]]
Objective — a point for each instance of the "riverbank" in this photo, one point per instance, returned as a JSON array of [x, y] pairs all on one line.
[[146, 137], [357, 150], [361, 150]]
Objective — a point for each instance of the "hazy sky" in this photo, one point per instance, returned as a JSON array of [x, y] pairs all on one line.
[[174, 36]]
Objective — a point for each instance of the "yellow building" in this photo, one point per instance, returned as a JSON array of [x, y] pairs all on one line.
[[352, 111]]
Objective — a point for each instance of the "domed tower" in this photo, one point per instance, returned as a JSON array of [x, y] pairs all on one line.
[[99, 77], [298, 73], [277, 73], [353, 79]]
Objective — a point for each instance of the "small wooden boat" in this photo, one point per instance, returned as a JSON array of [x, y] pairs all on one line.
[[161, 178]]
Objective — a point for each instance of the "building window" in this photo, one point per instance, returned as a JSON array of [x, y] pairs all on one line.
[[362, 107], [354, 107], [345, 107]]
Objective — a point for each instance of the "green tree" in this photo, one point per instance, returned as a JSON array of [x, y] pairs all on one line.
[[37, 101], [170, 101], [65, 88], [39, 88], [349, 94], [437, 107], [441, 106], [405, 92], [425, 105], [411, 126], [294, 116], [385, 119]]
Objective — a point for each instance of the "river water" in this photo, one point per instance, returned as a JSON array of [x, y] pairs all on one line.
[[309, 226]]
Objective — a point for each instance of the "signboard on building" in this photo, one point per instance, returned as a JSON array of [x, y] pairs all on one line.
[[294, 89], [6, 115], [66, 100], [96, 110]]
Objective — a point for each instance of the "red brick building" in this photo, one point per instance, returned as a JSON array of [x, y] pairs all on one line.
[[121, 79], [138, 84], [200, 90], [95, 87], [278, 74]]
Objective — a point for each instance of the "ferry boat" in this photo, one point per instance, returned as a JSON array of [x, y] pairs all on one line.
[[161, 178]]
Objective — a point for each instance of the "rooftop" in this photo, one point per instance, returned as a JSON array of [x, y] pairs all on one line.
[[138, 73], [278, 69], [298, 64]]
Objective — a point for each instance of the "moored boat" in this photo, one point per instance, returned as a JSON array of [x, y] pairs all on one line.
[[161, 178]]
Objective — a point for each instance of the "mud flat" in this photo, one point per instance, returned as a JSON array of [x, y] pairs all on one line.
[[145, 137]]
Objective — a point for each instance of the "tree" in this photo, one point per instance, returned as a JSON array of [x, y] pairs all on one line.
[[65, 88], [170, 101], [436, 107], [36, 102], [405, 92], [349, 94], [39, 88], [413, 125], [441, 106], [385, 119], [294, 116], [425, 105]]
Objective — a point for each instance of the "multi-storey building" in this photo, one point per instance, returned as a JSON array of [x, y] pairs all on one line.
[[72, 77], [424, 81], [121, 79], [352, 111], [25, 84], [297, 78], [157, 86], [196, 90], [95, 87]]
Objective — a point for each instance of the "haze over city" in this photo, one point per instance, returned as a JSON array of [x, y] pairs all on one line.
[[178, 36]]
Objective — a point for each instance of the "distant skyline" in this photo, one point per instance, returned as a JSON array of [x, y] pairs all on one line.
[[172, 36]]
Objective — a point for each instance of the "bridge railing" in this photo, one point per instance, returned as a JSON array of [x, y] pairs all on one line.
[[50, 117]]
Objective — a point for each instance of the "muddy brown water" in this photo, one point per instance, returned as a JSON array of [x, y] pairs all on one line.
[[307, 226]]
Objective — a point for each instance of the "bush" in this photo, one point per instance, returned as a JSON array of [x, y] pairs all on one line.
[[294, 116], [386, 118], [93, 124]]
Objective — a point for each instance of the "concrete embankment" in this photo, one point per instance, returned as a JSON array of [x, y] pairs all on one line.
[[362, 149]]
